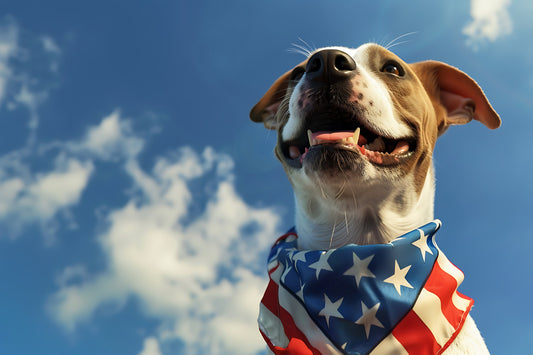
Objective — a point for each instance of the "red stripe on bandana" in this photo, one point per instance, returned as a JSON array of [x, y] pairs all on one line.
[[415, 336]]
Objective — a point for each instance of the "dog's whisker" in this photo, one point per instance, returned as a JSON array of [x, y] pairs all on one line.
[[332, 233], [300, 49], [341, 191], [394, 41], [346, 223], [310, 49], [305, 49], [324, 195], [397, 44], [355, 207]]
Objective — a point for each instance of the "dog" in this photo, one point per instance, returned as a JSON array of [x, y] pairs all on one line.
[[356, 130]]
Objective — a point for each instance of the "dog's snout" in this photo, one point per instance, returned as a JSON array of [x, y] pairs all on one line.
[[330, 65]]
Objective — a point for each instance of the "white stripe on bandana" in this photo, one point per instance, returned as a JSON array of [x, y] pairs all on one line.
[[399, 298]]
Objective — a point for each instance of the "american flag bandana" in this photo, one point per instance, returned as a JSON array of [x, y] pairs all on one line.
[[395, 298]]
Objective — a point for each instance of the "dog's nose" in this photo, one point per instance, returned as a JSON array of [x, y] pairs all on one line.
[[330, 65]]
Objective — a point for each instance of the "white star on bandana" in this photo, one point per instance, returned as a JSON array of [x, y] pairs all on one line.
[[360, 268], [422, 244], [331, 309], [398, 278], [322, 263], [369, 319]]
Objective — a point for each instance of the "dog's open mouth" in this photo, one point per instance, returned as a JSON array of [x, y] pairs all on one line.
[[379, 150]]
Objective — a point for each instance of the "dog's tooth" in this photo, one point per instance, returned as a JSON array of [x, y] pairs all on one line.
[[310, 137], [356, 135]]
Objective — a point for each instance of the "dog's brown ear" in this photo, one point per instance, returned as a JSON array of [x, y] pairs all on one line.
[[265, 110], [458, 93]]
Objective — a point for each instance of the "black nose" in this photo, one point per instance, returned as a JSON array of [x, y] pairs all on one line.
[[330, 65]]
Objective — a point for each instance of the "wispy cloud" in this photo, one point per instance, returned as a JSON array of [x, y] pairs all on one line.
[[21, 85], [9, 33], [27, 198], [200, 273], [184, 244], [111, 140], [50, 45], [151, 347], [490, 21], [37, 188], [36, 193]]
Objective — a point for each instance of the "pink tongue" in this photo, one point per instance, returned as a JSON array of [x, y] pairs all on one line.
[[331, 136]]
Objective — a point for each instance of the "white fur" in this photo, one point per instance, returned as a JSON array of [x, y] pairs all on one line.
[[381, 118], [468, 341], [377, 206], [347, 205], [350, 216]]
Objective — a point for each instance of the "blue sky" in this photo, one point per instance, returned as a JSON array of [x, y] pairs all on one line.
[[137, 200]]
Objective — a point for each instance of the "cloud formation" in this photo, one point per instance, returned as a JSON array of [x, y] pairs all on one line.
[[33, 193], [185, 246], [27, 198], [193, 259], [28, 195], [9, 34], [151, 347], [490, 21]]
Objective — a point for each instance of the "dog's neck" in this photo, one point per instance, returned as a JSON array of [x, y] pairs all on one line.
[[321, 226]]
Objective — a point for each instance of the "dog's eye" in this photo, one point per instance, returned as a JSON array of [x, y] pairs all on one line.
[[297, 73], [394, 68]]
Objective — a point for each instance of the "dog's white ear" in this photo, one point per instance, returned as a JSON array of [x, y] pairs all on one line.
[[458, 93], [265, 110]]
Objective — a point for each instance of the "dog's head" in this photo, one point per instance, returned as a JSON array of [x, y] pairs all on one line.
[[361, 122]]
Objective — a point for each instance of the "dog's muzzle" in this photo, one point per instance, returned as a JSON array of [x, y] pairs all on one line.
[[333, 132]]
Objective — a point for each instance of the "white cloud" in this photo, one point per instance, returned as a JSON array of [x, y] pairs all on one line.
[[50, 45], [490, 21], [31, 100], [151, 347], [31, 196], [56, 189], [8, 48], [20, 86], [9, 191], [185, 244], [111, 139], [200, 273], [26, 198]]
